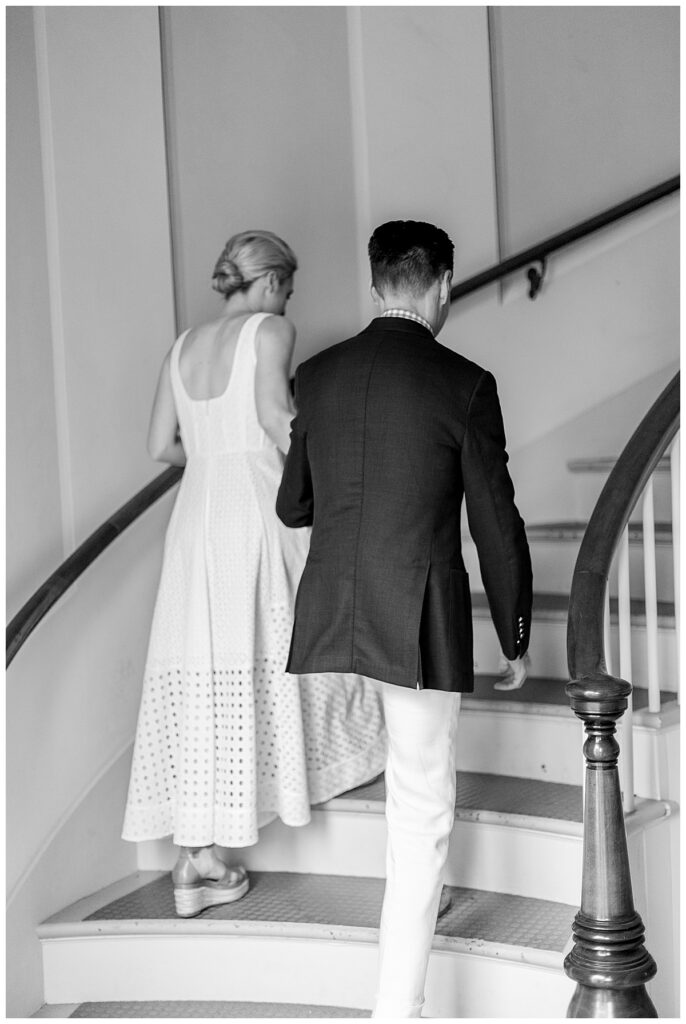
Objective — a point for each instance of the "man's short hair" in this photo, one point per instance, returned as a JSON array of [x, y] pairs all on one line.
[[408, 256]]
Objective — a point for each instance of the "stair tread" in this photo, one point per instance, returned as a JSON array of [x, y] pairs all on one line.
[[478, 792], [209, 1008], [542, 691], [355, 902], [605, 463], [574, 529], [551, 606]]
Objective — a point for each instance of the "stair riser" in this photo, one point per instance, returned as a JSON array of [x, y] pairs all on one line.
[[520, 861], [282, 969], [548, 650], [588, 485], [553, 566], [550, 748], [547, 747]]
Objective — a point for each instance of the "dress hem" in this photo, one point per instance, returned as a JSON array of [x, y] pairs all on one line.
[[366, 767]]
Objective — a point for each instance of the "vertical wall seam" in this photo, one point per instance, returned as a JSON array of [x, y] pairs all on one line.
[[360, 151], [172, 191], [497, 149], [47, 145]]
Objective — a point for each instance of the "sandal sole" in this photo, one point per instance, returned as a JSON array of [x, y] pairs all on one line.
[[192, 900]]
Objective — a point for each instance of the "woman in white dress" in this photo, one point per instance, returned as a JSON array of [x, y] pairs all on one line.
[[226, 739]]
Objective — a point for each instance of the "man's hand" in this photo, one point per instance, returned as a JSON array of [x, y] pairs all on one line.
[[513, 673]]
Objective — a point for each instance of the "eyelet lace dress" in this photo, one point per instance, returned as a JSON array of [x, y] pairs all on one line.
[[226, 739]]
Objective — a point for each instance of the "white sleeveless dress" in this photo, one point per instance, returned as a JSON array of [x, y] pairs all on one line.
[[226, 739]]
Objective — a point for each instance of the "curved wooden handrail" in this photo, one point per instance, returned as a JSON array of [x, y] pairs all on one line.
[[40, 603], [542, 250], [609, 961], [585, 644], [28, 617]]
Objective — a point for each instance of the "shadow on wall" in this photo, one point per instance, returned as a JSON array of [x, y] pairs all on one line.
[[547, 489]]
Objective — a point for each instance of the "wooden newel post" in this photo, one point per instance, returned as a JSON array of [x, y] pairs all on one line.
[[609, 961]]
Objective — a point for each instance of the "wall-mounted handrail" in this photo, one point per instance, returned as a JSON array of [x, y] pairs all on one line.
[[28, 617], [40, 603], [609, 961], [538, 253]]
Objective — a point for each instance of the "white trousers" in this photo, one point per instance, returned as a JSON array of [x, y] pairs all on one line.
[[420, 810]]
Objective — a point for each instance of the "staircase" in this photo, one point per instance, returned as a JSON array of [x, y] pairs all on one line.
[[302, 943], [307, 931], [537, 720]]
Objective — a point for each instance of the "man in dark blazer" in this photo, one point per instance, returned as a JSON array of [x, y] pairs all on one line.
[[392, 431]]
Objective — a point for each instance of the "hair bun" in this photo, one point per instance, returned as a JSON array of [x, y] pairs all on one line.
[[249, 255], [226, 277]]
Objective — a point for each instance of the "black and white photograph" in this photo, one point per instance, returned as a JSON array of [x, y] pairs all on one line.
[[342, 511]]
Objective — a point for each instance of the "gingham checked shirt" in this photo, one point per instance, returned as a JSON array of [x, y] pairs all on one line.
[[408, 315]]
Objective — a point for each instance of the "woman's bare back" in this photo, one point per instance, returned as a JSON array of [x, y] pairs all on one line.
[[207, 356]]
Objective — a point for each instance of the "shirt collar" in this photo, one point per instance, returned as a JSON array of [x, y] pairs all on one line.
[[407, 314]]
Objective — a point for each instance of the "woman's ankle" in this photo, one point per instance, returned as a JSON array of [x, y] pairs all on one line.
[[196, 862]]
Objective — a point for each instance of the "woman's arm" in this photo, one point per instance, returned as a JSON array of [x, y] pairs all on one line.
[[275, 408], [164, 444], [295, 499]]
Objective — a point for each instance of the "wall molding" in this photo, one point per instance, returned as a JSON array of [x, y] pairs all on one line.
[[52, 232], [497, 122], [169, 123], [123, 751], [360, 151]]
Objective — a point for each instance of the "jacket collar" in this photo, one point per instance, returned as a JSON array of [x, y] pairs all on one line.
[[400, 325]]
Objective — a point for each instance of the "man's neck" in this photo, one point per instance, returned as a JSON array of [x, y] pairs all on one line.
[[420, 308]]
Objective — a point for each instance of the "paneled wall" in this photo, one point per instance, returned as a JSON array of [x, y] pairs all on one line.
[[587, 111], [423, 127], [33, 514], [89, 315], [318, 122], [89, 299], [260, 136]]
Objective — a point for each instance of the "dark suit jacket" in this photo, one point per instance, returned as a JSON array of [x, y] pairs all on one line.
[[392, 430]]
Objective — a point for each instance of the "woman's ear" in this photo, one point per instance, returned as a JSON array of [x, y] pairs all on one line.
[[273, 282]]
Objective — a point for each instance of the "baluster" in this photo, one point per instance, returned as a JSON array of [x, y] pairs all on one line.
[[609, 962], [676, 542], [650, 577], [607, 630], [624, 617], [607, 641]]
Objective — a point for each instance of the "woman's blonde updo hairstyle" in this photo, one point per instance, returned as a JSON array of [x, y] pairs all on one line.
[[249, 255]]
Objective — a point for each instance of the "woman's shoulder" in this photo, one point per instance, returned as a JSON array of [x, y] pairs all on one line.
[[276, 325], [175, 348], [274, 330]]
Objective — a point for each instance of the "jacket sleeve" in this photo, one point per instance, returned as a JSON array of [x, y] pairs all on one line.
[[295, 499], [494, 522]]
